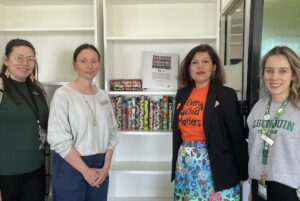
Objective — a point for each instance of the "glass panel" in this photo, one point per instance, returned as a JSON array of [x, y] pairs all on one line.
[[234, 36], [231, 45], [280, 29], [281, 25]]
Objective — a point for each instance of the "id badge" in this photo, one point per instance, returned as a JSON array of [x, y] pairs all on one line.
[[267, 139], [262, 190], [42, 137]]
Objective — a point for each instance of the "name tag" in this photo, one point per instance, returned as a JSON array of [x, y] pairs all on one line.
[[267, 139], [262, 191], [104, 102]]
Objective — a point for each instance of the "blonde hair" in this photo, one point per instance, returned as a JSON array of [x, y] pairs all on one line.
[[294, 62]]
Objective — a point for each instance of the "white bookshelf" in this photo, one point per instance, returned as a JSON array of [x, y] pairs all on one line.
[[141, 166], [55, 28]]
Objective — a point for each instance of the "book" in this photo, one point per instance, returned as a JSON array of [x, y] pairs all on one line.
[[126, 85]]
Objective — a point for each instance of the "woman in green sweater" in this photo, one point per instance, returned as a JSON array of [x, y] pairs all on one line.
[[23, 119]]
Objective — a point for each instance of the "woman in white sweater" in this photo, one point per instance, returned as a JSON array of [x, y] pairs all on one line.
[[82, 131]]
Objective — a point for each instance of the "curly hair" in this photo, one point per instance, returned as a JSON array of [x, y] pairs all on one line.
[[294, 62], [185, 78]]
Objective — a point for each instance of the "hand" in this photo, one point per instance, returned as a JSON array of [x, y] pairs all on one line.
[[102, 174], [250, 196], [91, 176]]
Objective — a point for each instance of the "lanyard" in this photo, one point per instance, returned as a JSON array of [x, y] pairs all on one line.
[[268, 127], [32, 105], [41, 132]]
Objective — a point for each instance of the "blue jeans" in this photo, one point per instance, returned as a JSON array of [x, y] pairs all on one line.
[[69, 185]]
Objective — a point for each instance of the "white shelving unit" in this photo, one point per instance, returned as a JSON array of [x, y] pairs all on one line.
[[55, 28], [141, 165]]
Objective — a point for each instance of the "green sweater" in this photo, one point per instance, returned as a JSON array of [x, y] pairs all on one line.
[[19, 145]]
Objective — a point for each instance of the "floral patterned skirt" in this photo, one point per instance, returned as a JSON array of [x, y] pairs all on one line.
[[193, 177]]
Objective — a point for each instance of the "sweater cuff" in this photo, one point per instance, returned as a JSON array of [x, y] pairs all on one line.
[[63, 152]]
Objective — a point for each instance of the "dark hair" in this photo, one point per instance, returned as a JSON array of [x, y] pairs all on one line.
[[185, 78], [83, 47], [294, 62], [34, 85]]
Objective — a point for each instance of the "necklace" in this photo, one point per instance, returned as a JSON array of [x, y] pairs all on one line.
[[92, 109]]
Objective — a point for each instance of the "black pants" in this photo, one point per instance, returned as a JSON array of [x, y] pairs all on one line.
[[24, 187], [275, 192]]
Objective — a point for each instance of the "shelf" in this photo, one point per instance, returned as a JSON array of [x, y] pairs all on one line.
[[237, 25], [47, 15], [53, 29], [124, 60], [160, 39], [236, 44], [147, 2], [159, 17], [43, 3], [140, 93], [140, 199], [146, 133], [54, 83], [236, 35], [137, 167]]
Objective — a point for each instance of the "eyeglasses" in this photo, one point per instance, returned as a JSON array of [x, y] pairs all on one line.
[[20, 59]]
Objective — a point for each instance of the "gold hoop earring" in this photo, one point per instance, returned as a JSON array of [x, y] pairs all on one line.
[[7, 73], [32, 78]]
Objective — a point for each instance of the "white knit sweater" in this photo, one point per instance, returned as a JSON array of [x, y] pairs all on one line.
[[71, 122]]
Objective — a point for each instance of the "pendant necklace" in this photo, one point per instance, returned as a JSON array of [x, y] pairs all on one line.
[[92, 109]]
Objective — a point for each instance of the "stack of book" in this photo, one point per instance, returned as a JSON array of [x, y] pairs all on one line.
[[142, 113]]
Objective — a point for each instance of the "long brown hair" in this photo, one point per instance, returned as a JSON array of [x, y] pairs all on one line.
[[185, 78], [294, 62], [34, 85]]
